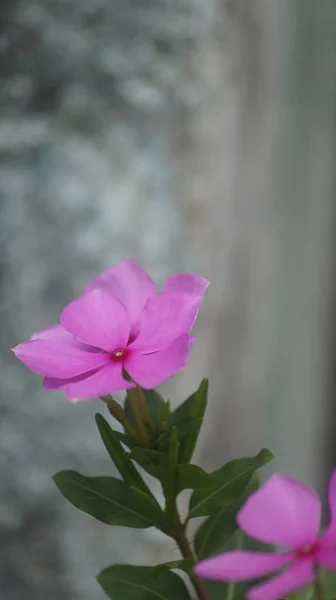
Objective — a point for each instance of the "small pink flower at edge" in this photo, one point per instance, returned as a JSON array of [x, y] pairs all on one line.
[[120, 322], [287, 513]]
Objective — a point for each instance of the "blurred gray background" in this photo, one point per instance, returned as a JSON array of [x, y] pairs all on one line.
[[192, 135]]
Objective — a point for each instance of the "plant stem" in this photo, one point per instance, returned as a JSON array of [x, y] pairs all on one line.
[[140, 424], [318, 589], [144, 408], [186, 551], [117, 412]]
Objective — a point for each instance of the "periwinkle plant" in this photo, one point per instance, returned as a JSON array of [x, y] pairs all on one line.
[[123, 335]]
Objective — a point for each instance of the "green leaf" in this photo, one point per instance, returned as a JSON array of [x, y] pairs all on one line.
[[328, 579], [218, 590], [125, 582], [183, 564], [107, 499], [192, 477], [216, 531], [152, 461], [155, 404], [231, 480], [192, 411], [169, 475], [120, 458], [127, 440]]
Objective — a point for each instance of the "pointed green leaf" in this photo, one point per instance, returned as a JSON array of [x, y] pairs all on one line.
[[218, 590], [125, 582], [107, 499], [151, 460], [169, 475], [120, 458], [192, 477], [125, 439], [155, 404], [192, 412], [231, 481], [215, 532], [182, 564], [126, 468]]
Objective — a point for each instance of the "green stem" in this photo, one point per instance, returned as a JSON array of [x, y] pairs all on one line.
[[137, 414], [144, 408], [117, 412], [231, 585], [186, 551], [318, 589]]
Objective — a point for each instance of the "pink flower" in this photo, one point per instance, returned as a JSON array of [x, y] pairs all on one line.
[[286, 513], [120, 322]]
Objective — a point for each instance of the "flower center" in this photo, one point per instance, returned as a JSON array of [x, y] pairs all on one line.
[[306, 550], [118, 353]]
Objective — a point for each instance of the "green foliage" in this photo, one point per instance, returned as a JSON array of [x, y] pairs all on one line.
[[124, 582], [155, 404], [120, 458], [188, 418], [162, 443], [231, 480], [108, 499], [151, 461], [214, 534], [192, 477], [183, 564]]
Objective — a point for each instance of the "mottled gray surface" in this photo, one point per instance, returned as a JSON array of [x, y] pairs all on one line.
[[96, 99]]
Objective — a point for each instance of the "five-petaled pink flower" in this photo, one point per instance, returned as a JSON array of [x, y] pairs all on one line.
[[120, 322], [286, 513]]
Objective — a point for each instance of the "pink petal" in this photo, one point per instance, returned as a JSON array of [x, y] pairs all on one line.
[[53, 383], [186, 282], [326, 556], [283, 511], [57, 333], [57, 360], [240, 565], [98, 319], [329, 537], [300, 574], [165, 318], [149, 370], [130, 284], [105, 381]]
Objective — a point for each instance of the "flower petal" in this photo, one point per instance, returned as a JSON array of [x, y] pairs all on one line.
[[298, 575], [283, 511], [98, 319], [57, 360], [130, 284], [53, 383], [104, 381], [186, 282], [57, 333], [240, 565], [165, 318], [329, 537], [326, 556], [149, 370]]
